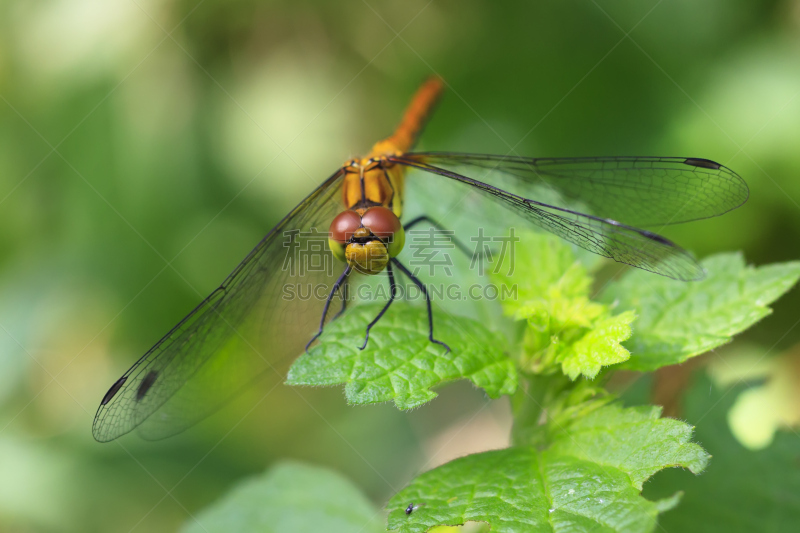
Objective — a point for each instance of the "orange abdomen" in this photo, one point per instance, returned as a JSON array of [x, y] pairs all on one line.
[[414, 119], [384, 185]]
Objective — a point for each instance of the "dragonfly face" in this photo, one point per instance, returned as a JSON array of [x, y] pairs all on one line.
[[366, 239]]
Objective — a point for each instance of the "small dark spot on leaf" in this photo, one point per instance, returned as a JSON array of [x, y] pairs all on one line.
[[412, 507]]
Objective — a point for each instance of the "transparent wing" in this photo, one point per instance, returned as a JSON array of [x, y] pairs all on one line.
[[637, 191], [609, 238], [262, 315]]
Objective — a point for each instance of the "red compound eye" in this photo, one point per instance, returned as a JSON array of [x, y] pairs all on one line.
[[382, 222], [344, 226]]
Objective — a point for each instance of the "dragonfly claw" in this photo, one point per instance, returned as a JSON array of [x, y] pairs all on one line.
[[366, 340], [315, 337], [441, 344]]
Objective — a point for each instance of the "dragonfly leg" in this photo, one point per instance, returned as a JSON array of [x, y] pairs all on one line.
[[344, 300], [336, 286], [458, 244], [421, 286], [393, 289]]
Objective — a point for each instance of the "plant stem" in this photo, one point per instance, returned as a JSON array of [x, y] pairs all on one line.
[[527, 407]]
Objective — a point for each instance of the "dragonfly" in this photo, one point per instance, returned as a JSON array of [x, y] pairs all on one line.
[[260, 314]]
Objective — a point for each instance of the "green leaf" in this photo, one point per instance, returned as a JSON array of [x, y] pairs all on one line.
[[742, 491], [552, 284], [599, 347], [678, 320], [589, 479], [290, 497], [635, 440], [565, 326], [400, 363]]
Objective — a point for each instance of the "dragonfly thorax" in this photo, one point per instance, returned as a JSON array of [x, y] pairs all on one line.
[[373, 181], [366, 238]]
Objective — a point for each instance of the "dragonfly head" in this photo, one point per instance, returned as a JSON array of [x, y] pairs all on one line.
[[366, 238]]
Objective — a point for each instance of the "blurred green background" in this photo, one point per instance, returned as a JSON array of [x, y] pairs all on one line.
[[147, 145]]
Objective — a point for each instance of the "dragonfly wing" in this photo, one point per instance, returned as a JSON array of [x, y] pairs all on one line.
[[637, 191], [609, 238], [261, 316]]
